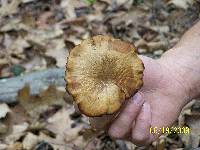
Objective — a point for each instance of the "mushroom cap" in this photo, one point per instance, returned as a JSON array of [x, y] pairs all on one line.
[[102, 72]]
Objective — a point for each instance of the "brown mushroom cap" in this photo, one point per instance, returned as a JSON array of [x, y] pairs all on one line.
[[102, 72]]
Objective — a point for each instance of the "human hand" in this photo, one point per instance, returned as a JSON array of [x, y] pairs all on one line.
[[157, 104]]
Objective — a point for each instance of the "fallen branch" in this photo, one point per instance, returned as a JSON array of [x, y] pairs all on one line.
[[37, 81]]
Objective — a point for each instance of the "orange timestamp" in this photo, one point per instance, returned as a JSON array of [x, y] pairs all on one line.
[[170, 130]]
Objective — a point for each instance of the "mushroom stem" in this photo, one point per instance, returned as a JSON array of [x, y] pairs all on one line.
[[103, 122]]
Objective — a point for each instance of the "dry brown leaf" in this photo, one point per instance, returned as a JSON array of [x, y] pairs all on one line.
[[69, 7], [151, 46], [181, 3], [30, 141], [3, 128], [3, 146], [35, 63], [185, 111], [193, 138], [74, 39], [17, 132], [57, 50], [4, 110], [18, 45], [42, 21], [192, 119], [15, 146], [9, 8], [61, 125], [35, 105], [14, 48], [27, 1], [3, 61], [57, 145], [11, 119], [40, 36], [14, 24]]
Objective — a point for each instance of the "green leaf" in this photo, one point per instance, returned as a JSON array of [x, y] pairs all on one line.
[[90, 1], [17, 70], [136, 2]]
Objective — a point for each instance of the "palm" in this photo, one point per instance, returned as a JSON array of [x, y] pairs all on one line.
[[163, 110], [163, 93]]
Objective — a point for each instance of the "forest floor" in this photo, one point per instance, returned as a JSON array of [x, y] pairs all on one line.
[[38, 35]]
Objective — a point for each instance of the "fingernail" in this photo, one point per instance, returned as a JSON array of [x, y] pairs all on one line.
[[137, 99]]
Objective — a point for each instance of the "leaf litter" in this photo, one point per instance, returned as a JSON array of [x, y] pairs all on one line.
[[36, 35]]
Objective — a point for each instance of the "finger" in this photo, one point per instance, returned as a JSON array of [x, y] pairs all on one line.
[[140, 132], [122, 125], [151, 74]]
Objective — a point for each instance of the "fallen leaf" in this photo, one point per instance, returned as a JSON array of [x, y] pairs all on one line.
[[40, 36], [3, 61], [62, 125], [192, 120], [18, 45], [193, 138], [42, 21], [14, 24], [37, 104], [56, 49], [30, 141], [3, 128], [4, 109], [69, 7], [3, 146], [15, 146], [57, 145], [35, 63], [9, 8], [181, 3], [17, 132], [27, 1]]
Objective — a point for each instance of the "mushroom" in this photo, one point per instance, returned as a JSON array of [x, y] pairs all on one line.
[[103, 72]]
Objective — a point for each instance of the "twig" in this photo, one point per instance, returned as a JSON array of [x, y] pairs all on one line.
[[37, 81]]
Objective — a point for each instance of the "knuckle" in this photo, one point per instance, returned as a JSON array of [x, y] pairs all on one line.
[[114, 132], [124, 119]]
